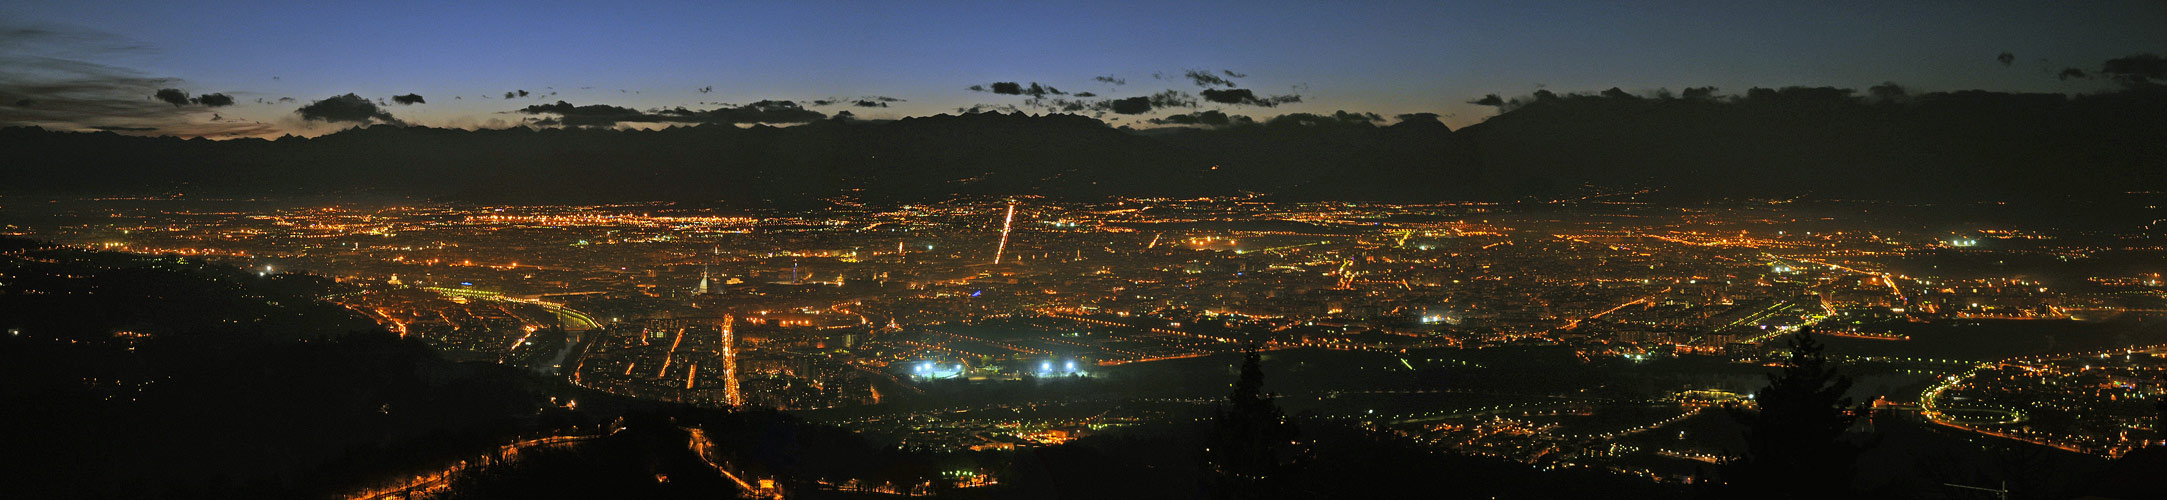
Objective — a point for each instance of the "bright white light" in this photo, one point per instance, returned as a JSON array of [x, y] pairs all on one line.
[[1072, 365]]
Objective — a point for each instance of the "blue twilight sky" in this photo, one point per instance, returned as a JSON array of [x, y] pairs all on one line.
[[1387, 57]]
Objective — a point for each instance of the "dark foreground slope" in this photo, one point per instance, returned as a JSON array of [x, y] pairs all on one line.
[[157, 377]]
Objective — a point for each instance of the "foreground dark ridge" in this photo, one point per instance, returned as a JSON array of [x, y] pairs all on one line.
[[1817, 142]]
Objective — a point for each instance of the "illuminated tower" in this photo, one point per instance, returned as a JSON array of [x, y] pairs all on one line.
[[705, 280], [729, 362], [1006, 223]]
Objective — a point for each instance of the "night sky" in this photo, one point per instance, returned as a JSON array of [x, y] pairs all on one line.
[[76, 65]]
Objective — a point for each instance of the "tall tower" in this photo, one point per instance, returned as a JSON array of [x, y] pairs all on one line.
[[705, 279]]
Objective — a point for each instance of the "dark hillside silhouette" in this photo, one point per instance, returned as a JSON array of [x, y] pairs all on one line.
[[1782, 143]]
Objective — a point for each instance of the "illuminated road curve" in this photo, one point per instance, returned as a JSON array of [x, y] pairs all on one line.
[[696, 440], [425, 484], [1931, 407]]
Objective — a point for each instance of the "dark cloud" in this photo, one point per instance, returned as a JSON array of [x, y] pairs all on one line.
[[1889, 91], [986, 108], [287, 99], [1314, 120], [1494, 100], [522, 92], [1419, 117], [1060, 104], [409, 99], [1346, 117], [1130, 106], [1616, 93], [123, 128], [1230, 96], [1246, 97], [1111, 79], [706, 89], [214, 100], [2136, 70], [47, 74], [1300, 119], [1700, 93], [1086, 94], [603, 115], [1208, 79], [876, 101], [1172, 99], [58, 38], [2068, 73], [2006, 58], [1799, 95], [175, 97], [511, 95], [1035, 90], [1210, 118], [346, 108], [1125, 106], [589, 115]]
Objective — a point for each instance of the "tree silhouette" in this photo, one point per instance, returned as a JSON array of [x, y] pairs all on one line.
[[1795, 446], [1252, 452]]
